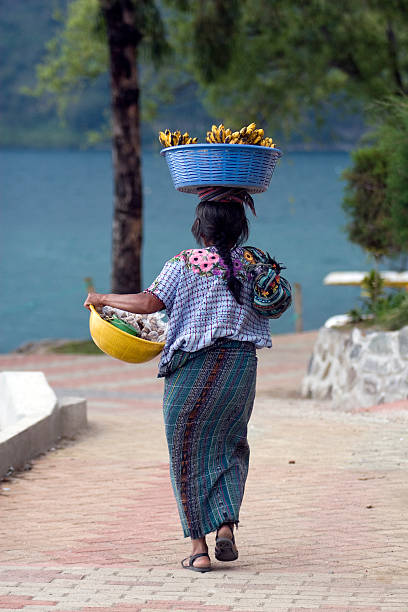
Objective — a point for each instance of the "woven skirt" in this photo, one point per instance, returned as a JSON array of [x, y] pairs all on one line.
[[208, 400]]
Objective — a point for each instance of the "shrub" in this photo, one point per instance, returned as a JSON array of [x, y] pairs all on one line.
[[376, 194]]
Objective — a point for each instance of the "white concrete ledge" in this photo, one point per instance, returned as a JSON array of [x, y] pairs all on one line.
[[390, 278], [32, 419]]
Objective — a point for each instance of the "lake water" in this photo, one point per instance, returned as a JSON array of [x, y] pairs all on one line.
[[56, 212]]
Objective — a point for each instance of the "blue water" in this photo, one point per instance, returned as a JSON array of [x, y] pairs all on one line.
[[56, 213]]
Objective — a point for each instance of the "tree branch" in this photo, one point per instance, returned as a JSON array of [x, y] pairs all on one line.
[[393, 54]]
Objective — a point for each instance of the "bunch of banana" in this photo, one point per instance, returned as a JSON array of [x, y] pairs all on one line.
[[219, 134], [267, 142], [174, 139], [250, 135], [246, 135]]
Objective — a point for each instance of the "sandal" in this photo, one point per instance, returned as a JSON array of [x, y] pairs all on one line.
[[192, 567], [225, 548]]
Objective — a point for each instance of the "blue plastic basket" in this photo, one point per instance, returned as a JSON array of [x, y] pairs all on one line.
[[195, 166]]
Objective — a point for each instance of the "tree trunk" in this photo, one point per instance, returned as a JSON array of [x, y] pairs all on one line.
[[123, 40]]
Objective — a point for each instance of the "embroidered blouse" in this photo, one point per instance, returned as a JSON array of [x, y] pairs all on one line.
[[200, 307]]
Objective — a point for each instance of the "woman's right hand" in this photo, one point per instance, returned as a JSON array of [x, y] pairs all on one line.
[[96, 299]]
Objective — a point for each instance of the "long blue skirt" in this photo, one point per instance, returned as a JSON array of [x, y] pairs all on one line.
[[208, 400]]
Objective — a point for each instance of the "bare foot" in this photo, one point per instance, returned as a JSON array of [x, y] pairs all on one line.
[[226, 531], [201, 561], [200, 546]]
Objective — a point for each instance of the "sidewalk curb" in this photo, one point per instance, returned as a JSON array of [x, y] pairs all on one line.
[[33, 437]]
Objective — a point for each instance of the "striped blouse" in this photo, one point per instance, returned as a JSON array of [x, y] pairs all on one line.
[[200, 307]]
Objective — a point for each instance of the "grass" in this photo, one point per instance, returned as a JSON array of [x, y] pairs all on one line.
[[77, 347]]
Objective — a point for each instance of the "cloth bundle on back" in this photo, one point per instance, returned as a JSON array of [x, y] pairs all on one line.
[[219, 299], [272, 293]]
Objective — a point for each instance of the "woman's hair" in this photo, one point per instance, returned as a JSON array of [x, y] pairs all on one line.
[[224, 225]]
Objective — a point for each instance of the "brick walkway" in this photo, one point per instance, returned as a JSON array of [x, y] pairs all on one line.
[[94, 525]]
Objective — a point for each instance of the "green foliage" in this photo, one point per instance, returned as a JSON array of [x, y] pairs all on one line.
[[365, 202], [372, 289], [76, 55], [283, 64], [378, 308], [393, 138], [287, 57], [376, 200], [77, 347], [32, 121], [395, 315], [213, 36], [356, 315]]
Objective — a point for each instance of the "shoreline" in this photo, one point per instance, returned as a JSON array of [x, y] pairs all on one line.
[[57, 345]]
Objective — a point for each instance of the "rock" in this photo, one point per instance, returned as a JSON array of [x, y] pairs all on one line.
[[355, 351], [356, 336], [380, 344], [326, 371], [394, 384], [370, 386], [403, 342], [372, 365], [351, 377]]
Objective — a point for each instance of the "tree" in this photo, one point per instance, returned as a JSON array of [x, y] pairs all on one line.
[[365, 202], [101, 35], [393, 137], [271, 62], [376, 200], [289, 58]]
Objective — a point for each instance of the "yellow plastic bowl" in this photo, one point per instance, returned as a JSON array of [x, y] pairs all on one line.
[[119, 344]]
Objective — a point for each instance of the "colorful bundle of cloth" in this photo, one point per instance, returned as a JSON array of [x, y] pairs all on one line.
[[272, 292]]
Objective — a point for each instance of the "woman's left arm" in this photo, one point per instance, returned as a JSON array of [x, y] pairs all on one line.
[[140, 303]]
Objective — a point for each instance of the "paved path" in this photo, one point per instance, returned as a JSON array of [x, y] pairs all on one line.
[[93, 526]]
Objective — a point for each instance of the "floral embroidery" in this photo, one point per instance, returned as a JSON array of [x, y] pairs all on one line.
[[237, 265], [195, 258], [249, 257], [207, 262]]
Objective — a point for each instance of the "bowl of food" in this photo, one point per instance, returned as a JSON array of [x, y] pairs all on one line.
[[111, 338]]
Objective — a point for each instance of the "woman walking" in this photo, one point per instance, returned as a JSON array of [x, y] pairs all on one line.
[[209, 363]]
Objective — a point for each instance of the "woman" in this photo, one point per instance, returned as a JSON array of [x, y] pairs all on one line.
[[209, 363]]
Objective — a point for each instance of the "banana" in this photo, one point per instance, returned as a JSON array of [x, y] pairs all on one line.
[[221, 132], [216, 135], [211, 137], [163, 139], [251, 127]]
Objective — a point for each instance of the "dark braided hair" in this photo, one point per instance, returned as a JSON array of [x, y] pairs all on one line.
[[223, 225]]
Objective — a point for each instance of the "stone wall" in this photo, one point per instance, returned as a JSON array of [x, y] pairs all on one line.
[[356, 369]]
